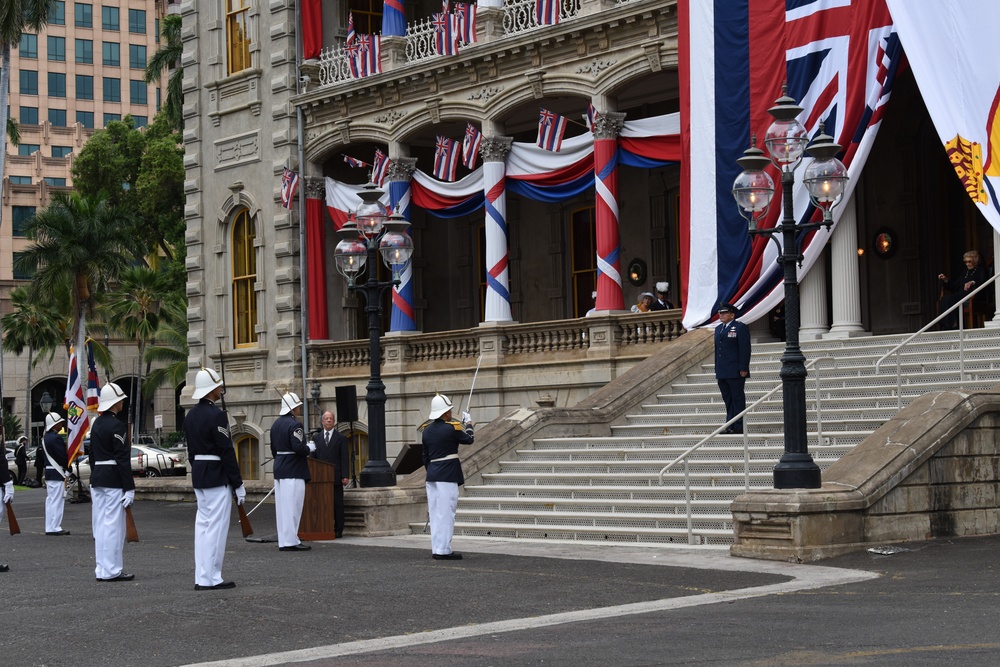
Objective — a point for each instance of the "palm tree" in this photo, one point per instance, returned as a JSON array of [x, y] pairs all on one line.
[[33, 325], [134, 311], [80, 242], [169, 55], [169, 351]]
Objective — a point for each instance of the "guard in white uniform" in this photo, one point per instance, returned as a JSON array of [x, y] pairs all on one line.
[[111, 486], [291, 450], [441, 439], [57, 460], [215, 475], [7, 495]]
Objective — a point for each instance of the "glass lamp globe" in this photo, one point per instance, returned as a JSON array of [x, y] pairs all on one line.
[[350, 255], [786, 140], [753, 191], [371, 214], [825, 180], [396, 248]]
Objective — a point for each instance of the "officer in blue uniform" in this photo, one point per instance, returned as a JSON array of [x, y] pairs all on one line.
[[291, 450], [111, 486], [732, 363], [441, 439], [55, 474]]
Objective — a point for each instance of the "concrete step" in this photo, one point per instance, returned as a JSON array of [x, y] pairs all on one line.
[[603, 535]]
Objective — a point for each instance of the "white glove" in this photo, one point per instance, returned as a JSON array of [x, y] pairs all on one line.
[[8, 491], [311, 445], [466, 419], [241, 494], [128, 498]]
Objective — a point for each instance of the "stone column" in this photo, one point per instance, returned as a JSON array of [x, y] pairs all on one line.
[[609, 279], [494, 151], [846, 276], [995, 322], [812, 302], [399, 174]]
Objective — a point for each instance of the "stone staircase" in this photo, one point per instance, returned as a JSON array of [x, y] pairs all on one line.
[[606, 489]]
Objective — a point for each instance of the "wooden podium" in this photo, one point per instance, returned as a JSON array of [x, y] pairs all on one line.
[[317, 510]]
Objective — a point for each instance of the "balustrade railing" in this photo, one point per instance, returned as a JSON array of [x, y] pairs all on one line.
[[333, 66], [520, 15]]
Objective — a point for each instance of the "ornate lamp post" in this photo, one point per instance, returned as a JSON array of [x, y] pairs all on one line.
[[45, 403], [825, 178], [373, 230]]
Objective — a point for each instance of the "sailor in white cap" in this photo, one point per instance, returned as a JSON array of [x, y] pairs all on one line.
[[215, 476], [291, 450], [441, 438], [662, 301], [111, 486], [57, 460]]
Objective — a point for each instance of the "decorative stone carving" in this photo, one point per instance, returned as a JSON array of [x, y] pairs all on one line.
[[653, 56], [240, 149], [535, 79], [495, 149], [434, 106], [315, 187], [486, 93], [608, 124], [401, 169], [390, 116], [596, 66]]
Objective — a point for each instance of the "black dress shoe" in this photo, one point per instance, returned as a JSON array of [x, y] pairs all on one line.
[[452, 556], [4, 567], [218, 587], [729, 429], [338, 535], [120, 577], [57, 532], [296, 547]]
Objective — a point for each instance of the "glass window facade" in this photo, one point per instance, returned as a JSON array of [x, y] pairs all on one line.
[[137, 92], [57, 13], [112, 89], [237, 35], [27, 149], [111, 54], [20, 216], [244, 279], [109, 18], [136, 56], [28, 48], [84, 15], [57, 84], [137, 21], [57, 117], [28, 80], [55, 182], [84, 87], [57, 48], [85, 51], [61, 151], [28, 116], [108, 117], [85, 118]]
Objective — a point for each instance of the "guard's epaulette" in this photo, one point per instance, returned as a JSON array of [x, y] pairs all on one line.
[[457, 425], [427, 423]]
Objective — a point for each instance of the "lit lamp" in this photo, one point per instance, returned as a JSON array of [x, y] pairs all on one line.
[[371, 229], [825, 179], [45, 402]]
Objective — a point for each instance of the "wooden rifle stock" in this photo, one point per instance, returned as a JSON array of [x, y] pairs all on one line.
[[131, 534], [244, 521], [244, 518], [15, 528]]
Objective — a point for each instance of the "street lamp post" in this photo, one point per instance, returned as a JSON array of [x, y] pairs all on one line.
[[825, 178], [45, 403], [373, 230]]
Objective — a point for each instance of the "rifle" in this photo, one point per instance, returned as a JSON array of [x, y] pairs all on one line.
[[131, 534], [245, 526], [15, 528]]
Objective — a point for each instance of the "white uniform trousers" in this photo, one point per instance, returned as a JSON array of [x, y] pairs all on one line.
[[109, 530], [289, 494], [442, 503], [211, 528], [54, 505]]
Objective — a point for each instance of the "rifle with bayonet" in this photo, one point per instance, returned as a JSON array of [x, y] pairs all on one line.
[[131, 534], [240, 510]]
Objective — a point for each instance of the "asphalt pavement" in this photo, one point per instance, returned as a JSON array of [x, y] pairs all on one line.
[[384, 601]]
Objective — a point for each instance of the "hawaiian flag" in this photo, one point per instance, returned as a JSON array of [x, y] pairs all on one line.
[[551, 128], [470, 145], [445, 158], [380, 167], [355, 163], [289, 184], [76, 409], [353, 52], [445, 34], [373, 47], [590, 118], [839, 59], [547, 12], [93, 381], [351, 34], [466, 14]]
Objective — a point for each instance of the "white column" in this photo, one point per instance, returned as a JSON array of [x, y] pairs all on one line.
[[995, 322], [846, 276], [812, 300]]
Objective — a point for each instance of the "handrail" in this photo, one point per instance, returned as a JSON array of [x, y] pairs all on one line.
[[961, 340], [746, 442]]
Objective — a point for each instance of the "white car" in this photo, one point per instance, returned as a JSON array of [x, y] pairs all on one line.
[[153, 462]]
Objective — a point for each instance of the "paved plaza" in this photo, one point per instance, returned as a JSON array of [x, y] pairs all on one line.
[[384, 601]]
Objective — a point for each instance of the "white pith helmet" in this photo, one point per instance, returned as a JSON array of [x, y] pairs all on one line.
[[204, 382], [663, 287], [289, 401], [440, 404], [110, 394], [52, 419]]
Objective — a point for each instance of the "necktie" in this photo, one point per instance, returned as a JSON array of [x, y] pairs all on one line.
[[327, 437]]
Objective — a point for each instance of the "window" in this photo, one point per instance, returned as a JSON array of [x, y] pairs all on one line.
[[136, 56], [367, 15], [109, 18], [85, 118], [61, 151], [84, 14], [140, 121], [57, 48], [57, 13], [20, 180], [157, 99], [112, 90], [27, 149], [55, 182], [137, 92], [57, 84], [246, 454], [29, 46], [583, 246], [84, 87], [156, 29], [85, 51], [20, 217], [112, 54], [244, 277], [137, 21], [29, 82], [28, 115], [19, 274], [237, 38], [57, 117], [108, 117]]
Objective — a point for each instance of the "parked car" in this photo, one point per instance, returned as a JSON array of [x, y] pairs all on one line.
[[153, 462]]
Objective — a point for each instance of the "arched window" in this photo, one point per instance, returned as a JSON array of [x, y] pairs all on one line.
[[237, 35], [244, 278], [583, 246], [247, 453]]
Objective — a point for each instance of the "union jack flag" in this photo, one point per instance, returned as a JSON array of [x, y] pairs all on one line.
[[354, 63], [551, 128], [351, 34], [590, 117], [445, 158], [289, 184], [445, 34], [355, 163], [547, 12], [470, 145], [380, 167], [466, 14]]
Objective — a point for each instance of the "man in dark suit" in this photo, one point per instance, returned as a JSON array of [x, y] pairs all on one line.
[[332, 447], [732, 363]]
